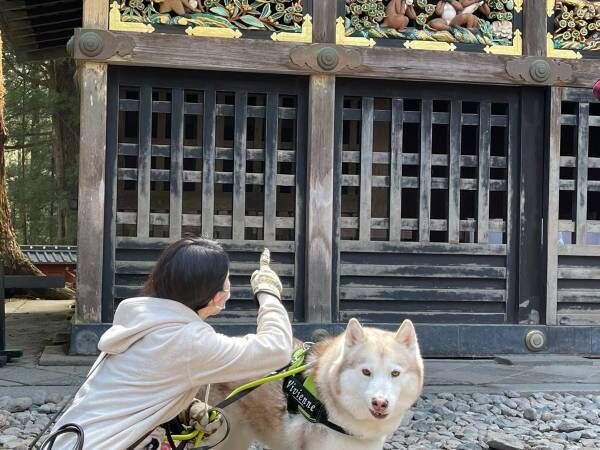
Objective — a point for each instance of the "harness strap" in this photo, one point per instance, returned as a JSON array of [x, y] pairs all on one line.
[[302, 401]]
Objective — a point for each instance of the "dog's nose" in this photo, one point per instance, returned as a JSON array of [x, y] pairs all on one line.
[[379, 404]]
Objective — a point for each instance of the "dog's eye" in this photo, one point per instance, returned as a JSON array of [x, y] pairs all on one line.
[[366, 372], [395, 373]]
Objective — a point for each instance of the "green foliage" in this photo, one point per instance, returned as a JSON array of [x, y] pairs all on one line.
[[40, 121]]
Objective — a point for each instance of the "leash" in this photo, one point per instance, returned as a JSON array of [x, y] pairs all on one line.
[[296, 366]]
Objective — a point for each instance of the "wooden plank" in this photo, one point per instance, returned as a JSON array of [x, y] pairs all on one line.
[[144, 162], [579, 250], [324, 14], [425, 170], [396, 170], [92, 179], [270, 157], [466, 271], [33, 282], [454, 172], [511, 143], [483, 191], [397, 315], [422, 295], [582, 173], [551, 224], [366, 168], [319, 236], [579, 296], [110, 210], [416, 247], [176, 175], [239, 165], [235, 268], [174, 51], [578, 273], [534, 28], [131, 243], [300, 157], [95, 14], [530, 201], [208, 172]]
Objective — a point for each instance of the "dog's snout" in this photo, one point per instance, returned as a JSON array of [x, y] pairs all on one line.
[[379, 404]]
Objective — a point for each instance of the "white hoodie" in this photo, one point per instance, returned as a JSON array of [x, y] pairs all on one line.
[[160, 354]]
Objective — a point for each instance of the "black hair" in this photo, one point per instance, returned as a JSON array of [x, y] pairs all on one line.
[[189, 271]]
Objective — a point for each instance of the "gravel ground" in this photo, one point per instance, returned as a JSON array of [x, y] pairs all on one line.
[[505, 421]]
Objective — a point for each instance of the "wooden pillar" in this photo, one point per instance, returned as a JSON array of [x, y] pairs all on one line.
[[551, 224], [319, 270], [532, 137], [324, 15], [534, 28], [92, 160]]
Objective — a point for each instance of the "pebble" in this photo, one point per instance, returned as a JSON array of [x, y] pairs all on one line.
[[505, 421]]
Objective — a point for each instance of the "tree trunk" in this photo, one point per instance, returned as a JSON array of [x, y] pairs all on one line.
[[15, 262], [66, 138]]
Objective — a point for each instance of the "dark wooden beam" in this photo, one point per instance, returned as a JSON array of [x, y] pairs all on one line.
[[324, 15], [265, 56], [319, 191], [534, 28], [532, 137]]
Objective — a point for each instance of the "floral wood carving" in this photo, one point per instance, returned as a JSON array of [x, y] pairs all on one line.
[[429, 24], [285, 16], [576, 26]]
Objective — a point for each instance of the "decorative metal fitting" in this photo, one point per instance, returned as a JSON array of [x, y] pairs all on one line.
[[535, 340], [540, 71], [91, 43], [328, 58]]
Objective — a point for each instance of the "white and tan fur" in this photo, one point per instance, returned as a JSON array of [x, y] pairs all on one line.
[[356, 373]]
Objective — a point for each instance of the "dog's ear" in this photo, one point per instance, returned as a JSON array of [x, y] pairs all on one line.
[[406, 334], [354, 333]]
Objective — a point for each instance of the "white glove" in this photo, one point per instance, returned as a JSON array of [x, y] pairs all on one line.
[[265, 279]]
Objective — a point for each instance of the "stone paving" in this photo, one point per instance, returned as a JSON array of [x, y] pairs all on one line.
[[528, 402]]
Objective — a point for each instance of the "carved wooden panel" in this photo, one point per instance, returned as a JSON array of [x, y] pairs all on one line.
[[493, 26], [284, 20], [573, 28]]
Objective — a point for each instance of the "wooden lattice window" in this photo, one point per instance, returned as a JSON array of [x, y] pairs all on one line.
[[579, 172], [239, 186], [424, 170]]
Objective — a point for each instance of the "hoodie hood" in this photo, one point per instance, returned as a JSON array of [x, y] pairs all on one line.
[[139, 316]]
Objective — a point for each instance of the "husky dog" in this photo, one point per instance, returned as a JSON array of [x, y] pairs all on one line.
[[366, 378]]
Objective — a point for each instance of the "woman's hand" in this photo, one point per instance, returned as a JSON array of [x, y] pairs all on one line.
[[265, 279]]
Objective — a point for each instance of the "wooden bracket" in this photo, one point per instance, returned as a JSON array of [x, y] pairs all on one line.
[[323, 58], [539, 70], [99, 45]]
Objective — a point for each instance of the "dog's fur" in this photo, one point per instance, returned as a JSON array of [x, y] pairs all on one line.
[[337, 366]]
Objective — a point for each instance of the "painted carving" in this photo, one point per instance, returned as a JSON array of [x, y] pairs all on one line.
[[576, 25], [484, 22], [269, 15]]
